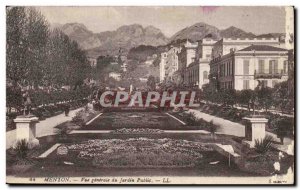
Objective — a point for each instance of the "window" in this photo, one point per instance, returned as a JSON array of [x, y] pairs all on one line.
[[261, 66], [246, 67], [246, 84], [273, 66], [276, 67], [205, 75], [230, 68], [285, 67]]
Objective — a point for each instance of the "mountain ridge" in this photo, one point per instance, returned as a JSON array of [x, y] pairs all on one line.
[[130, 36], [107, 42]]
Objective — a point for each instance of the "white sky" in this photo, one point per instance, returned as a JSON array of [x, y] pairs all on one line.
[[171, 19]]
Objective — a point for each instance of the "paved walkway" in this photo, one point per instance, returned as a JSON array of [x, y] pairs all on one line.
[[231, 128], [44, 127], [226, 127]]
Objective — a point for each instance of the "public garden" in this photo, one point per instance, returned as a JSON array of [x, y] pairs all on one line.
[[95, 143], [55, 128]]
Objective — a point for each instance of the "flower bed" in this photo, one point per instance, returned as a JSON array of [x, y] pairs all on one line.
[[139, 152]]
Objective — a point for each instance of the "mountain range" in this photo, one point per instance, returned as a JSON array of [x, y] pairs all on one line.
[[109, 42], [131, 36]]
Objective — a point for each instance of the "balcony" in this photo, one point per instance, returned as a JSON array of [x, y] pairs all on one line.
[[268, 75]]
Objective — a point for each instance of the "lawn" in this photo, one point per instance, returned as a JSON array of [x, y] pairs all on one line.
[[118, 120]]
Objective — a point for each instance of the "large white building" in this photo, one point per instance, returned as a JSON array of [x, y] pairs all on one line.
[[239, 63], [250, 66]]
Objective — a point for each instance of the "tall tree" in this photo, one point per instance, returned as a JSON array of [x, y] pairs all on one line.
[[151, 82], [16, 44], [27, 35]]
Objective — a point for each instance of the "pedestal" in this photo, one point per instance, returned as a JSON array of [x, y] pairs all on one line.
[[255, 129], [26, 129]]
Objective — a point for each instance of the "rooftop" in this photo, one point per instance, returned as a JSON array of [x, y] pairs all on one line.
[[262, 48]]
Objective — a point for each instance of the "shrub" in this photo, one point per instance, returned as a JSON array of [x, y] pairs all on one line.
[[21, 149], [283, 127], [77, 119], [212, 127], [264, 145]]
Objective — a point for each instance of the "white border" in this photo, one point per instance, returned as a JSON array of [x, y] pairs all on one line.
[[103, 3]]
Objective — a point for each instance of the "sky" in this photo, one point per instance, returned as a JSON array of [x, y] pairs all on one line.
[[170, 19]]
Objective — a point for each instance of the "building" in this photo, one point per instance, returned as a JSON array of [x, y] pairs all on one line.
[[226, 45], [196, 73], [246, 68], [115, 75], [162, 64], [186, 56], [124, 67], [171, 65]]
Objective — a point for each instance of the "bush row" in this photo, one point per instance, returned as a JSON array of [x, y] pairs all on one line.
[[281, 125]]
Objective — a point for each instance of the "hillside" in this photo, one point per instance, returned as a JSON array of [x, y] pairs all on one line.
[[196, 32], [236, 33]]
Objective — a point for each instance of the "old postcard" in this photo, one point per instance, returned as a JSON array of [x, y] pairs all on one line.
[[150, 95]]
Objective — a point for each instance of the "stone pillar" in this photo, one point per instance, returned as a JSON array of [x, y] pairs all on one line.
[[26, 129], [255, 129]]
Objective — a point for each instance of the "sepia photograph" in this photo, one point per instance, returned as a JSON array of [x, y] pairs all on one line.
[[150, 95]]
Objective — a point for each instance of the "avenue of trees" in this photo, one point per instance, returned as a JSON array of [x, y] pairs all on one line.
[[263, 98], [39, 58]]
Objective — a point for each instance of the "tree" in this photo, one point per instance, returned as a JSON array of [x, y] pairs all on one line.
[[265, 97], [245, 97], [27, 35], [40, 58], [213, 128], [16, 44], [37, 32], [283, 126], [228, 96], [281, 96], [13, 98], [151, 82], [209, 93], [103, 66]]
